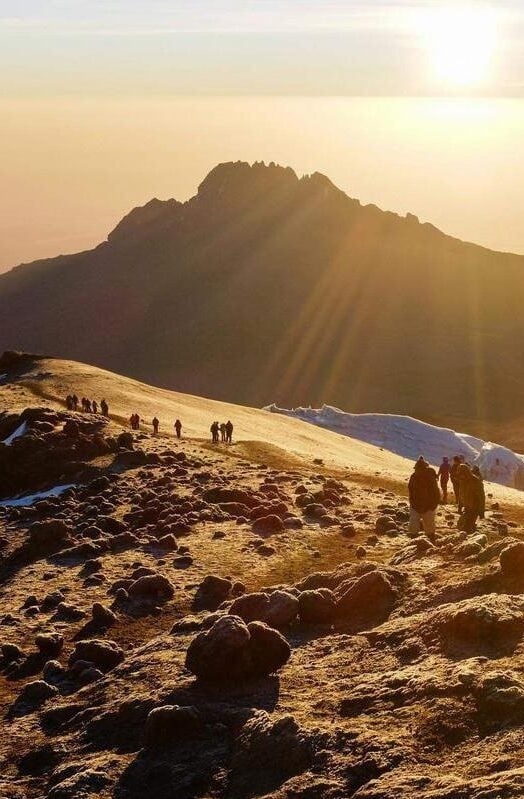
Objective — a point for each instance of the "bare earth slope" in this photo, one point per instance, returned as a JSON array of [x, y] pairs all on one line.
[[335, 656], [265, 287]]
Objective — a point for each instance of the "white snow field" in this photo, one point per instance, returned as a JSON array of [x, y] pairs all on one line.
[[23, 502], [15, 434], [410, 438]]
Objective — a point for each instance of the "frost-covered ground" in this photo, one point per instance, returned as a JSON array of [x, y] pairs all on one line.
[[29, 499], [20, 431], [410, 438]]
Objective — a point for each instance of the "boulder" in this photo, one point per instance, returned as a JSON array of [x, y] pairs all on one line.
[[105, 655], [384, 523], [49, 644], [231, 650], [488, 624], [152, 586], [282, 610], [317, 606], [269, 649], [512, 560], [169, 724], [36, 692], [102, 615], [368, 601], [251, 607], [49, 535], [222, 652], [267, 525], [215, 587]]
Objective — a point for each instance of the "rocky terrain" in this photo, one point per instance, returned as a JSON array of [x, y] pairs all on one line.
[[308, 290], [184, 620]]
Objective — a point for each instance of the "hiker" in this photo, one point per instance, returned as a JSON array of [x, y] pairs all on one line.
[[214, 432], [132, 421], [424, 497], [88, 406], [155, 426], [472, 498], [137, 421], [178, 428], [229, 432], [453, 473], [443, 474], [95, 406], [75, 402], [83, 403], [104, 408], [223, 432], [69, 402]]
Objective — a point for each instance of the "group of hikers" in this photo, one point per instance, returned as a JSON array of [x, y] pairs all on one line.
[[134, 421], [87, 405], [224, 429], [425, 495]]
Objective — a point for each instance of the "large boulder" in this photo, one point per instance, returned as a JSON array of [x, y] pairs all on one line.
[[269, 650], [267, 525], [219, 495], [251, 607], [481, 625], [368, 600], [49, 536], [282, 610], [232, 650], [171, 723], [105, 655], [317, 606], [267, 753], [152, 586], [512, 560]]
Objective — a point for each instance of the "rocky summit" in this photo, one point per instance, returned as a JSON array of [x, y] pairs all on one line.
[[266, 287], [180, 619]]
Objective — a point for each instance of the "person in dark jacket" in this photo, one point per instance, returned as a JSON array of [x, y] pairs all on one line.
[[424, 497], [472, 498], [104, 408], [455, 481], [155, 426], [229, 432], [178, 428], [443, 474]]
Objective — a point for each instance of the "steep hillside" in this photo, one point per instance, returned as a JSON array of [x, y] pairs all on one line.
[[269, 288], [186, 621]]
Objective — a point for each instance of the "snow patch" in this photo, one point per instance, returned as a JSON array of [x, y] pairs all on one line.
[[20, 431], [22, 502], [410, 438]]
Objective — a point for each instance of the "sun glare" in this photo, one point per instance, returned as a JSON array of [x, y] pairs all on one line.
[[462, 44]]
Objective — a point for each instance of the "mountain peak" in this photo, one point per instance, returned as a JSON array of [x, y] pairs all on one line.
[[235, 176]]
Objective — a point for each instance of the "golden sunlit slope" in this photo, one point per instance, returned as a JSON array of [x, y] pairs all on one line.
[[49, 381], [258, 435]]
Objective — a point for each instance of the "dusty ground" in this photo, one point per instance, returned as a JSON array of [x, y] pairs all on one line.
[[421, 697]]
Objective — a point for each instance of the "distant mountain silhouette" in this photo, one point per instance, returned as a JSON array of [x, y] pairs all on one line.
[[266, 287]]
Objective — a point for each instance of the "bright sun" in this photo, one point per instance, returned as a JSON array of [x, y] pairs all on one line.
[[462, 44]]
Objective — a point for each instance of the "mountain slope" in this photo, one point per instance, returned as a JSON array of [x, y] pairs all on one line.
[[266, 287]]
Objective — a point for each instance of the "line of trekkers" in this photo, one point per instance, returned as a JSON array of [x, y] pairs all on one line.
[[134, 422], [86, 405], [425, 495]]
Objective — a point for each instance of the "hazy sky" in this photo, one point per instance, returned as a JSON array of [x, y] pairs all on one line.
[[107, 103], [327, 47]]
